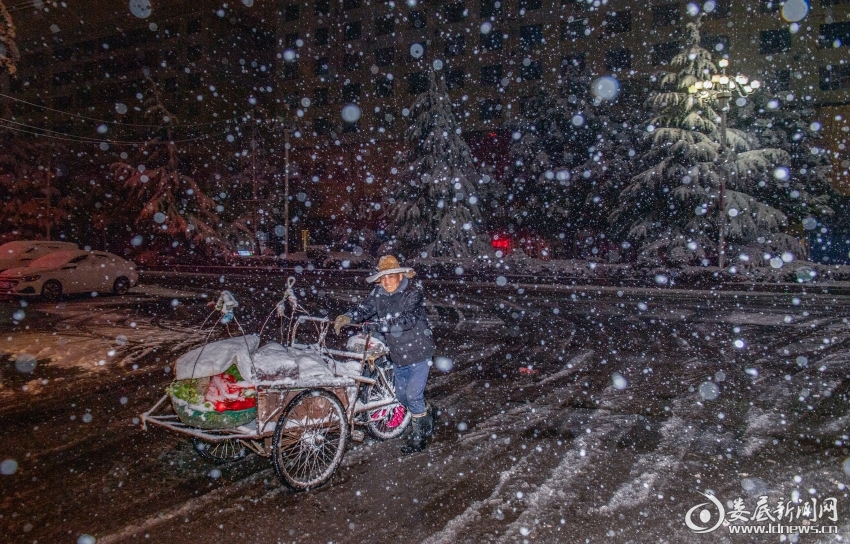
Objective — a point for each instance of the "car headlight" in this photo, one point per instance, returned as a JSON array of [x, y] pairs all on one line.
[[30, 278]]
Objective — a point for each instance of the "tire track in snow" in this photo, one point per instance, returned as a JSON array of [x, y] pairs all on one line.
[[585, 449], [462, 528], [457, 527]]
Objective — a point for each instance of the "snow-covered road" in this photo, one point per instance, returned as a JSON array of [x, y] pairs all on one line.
[[570, 415]]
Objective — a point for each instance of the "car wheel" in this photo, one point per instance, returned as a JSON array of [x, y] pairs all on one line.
[[51, 290], [121, 286]]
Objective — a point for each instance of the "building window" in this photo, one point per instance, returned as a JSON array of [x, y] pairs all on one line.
[[455, 78], [491, 8], [835, 77], [291, 12], [321, 36], [618, 59], [663, 53], [194, 26], [351, 62], [385, 56], [417, 82], [666, 15], [491, 41], [618, 21], [573, 63], [570, 30], [322, 7], [320, 96], [834, 35], [455, 45], [193, 53], [84, 97], [530, 35], [532, 71], [289, 71], [530, 4], [417, 19], [384, 25], [384, 87], [774, 41], [491, 75], [489, 109], [722, 9], [351, 92], [715, 44], [350, 4], [321, 67], [63, 103], [781, 81], [454, 12], [321, 126], [352, 31]]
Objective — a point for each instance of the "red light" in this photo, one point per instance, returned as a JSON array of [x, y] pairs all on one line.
[[492, 134], [502, 243]]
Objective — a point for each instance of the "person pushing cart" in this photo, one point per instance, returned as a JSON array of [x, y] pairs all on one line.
[[396, 309]]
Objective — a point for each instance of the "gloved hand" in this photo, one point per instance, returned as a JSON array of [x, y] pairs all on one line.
[[340, 322], [369, 328]]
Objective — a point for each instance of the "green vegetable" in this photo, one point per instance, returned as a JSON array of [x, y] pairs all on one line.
[[186, 390], [233, 371]]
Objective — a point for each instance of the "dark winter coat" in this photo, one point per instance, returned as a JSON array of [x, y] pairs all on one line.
[[400, 316]]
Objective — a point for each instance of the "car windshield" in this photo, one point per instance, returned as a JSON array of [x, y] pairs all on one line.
[[52, 260]]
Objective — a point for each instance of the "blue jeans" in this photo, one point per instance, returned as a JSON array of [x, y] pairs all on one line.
[[410, 385]]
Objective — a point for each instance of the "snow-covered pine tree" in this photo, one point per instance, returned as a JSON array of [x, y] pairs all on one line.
[[171, 202], [803, 191], [9, 55], [670, 209], [538, 179], [434, 208]]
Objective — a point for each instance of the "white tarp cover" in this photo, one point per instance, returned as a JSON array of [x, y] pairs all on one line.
[[216, 357], [302, 366], [276, 362]]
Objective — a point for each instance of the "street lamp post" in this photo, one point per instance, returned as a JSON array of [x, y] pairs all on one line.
[[286, 132], [720, 87]]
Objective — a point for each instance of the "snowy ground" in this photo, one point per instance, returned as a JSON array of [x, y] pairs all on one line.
[[636, 400]]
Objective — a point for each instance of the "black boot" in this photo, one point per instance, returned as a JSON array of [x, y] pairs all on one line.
[[431, 417], [427, 422], [416, 440]]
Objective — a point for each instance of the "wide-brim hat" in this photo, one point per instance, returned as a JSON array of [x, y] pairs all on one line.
[[388, 264]]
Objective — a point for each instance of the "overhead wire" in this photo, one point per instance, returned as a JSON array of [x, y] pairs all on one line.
[[40, 131], [118, 123]]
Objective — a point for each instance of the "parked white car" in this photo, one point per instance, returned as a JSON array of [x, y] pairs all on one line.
[[76, 271], [23, 252]]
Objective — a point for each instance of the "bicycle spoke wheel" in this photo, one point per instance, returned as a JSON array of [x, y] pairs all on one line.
[[389, 421], [220, 452], [309, 440]]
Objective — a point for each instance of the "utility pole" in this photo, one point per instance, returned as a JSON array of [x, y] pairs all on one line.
[[723, 99], [47, 176], [254, 181], [286, 130]]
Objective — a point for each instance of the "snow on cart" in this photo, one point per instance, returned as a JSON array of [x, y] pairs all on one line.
[[296, 401]]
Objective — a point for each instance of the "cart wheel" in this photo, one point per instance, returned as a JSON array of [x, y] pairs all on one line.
[[379, 421], [309, 440], [220, 452]]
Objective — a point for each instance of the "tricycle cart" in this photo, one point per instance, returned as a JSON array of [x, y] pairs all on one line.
[[305, 413]]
